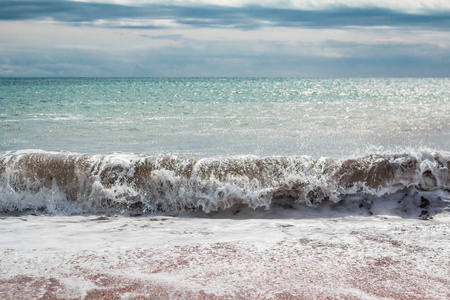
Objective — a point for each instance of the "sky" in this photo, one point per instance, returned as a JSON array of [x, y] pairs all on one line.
[[237, 38]]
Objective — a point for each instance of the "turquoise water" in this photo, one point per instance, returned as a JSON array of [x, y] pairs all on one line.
[[221, 117]]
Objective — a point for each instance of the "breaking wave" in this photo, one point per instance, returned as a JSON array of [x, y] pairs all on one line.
[[68, 183]]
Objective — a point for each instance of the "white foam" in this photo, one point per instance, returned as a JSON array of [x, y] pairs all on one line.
[[298, 254]]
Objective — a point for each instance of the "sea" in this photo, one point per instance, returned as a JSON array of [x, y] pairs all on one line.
[[224, 188], [171, 145]]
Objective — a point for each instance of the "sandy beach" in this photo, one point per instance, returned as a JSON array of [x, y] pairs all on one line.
[[249, 256]]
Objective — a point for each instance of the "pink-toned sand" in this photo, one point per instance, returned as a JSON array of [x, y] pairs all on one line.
[[177, 258]]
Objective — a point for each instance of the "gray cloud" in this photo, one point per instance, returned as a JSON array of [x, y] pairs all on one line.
[[170, 37], [233, 58], [247, 17]]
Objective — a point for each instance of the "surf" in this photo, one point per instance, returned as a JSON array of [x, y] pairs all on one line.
[[71, 183]]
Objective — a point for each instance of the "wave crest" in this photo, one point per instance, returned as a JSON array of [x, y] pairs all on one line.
[[70, 183]]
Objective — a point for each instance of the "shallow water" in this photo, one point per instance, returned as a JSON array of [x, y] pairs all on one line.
[[160, 257]]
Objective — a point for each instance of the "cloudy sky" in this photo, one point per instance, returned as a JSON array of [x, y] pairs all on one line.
[[284, 38]]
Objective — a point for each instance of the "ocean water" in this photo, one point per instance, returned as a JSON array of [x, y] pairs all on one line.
[[76, 145]]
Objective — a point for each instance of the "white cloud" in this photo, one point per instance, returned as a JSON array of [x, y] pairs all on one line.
[[409, 6]]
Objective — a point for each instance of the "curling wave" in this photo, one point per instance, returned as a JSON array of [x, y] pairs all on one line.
[[69, 183]]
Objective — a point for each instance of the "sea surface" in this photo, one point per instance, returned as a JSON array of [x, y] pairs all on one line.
[[150, 145]]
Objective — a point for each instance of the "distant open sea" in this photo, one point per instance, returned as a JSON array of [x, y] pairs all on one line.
[[73, 145]]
